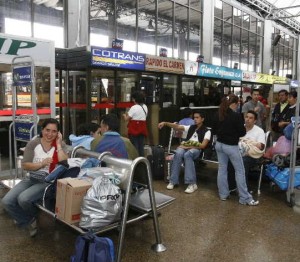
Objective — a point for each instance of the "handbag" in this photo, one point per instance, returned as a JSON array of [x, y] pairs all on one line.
[[137, 127], [38, 176]]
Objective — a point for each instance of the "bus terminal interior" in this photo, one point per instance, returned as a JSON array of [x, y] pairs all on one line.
[[85, 59]]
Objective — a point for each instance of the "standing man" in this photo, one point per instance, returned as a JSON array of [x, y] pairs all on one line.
[[255, 105], [199, 137], [278, 114]]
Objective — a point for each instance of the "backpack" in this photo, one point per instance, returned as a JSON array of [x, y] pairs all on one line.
[[91, 248]]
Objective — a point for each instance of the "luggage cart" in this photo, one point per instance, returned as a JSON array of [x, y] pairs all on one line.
[[23, 127]]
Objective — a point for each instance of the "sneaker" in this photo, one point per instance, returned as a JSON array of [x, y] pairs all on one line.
[[233, 191], [191, 188], [224, 198], [32, 228], [251, 203], [170, 186]]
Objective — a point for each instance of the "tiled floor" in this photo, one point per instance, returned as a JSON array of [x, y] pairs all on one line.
[[196, 227]]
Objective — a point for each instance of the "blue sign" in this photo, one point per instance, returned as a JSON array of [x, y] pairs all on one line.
[[22, 131], [117, 44], [117, 58], [221, 72], [22, 76]]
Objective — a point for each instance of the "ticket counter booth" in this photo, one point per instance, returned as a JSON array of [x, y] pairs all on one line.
[[95, 81], [42, 53], [204, 86]]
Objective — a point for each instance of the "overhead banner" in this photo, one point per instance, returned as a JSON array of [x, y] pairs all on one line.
[[261, 78], [110, 57], [164, 64], [221, 72]]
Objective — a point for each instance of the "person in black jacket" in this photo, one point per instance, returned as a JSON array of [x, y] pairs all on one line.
[[188, 152], [278, 114], [230, 128], [290, 112]]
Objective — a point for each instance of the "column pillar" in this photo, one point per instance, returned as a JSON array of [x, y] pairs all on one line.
[[207, 36], [267, 47], [77, 23]]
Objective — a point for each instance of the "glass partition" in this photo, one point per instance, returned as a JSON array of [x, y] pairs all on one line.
[[170, 89]]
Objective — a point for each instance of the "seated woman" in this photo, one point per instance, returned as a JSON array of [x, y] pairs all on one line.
[[42, 153]]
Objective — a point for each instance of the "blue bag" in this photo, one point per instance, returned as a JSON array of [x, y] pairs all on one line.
[[281, 176], [288, 131], [91, 248]]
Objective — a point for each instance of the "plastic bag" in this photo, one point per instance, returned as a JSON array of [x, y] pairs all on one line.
[[94, 172], [283, 146], [102, 204]]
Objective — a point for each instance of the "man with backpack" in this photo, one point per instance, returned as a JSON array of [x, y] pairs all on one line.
[[198, 138]]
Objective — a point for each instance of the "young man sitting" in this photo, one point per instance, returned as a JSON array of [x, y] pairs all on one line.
[[198, 137]]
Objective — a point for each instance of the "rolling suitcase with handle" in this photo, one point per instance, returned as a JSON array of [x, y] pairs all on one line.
[[156, 157]]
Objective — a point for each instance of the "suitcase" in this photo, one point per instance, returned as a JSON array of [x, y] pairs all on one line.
[[156, 157]]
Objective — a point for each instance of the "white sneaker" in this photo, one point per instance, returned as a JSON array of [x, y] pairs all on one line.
[[191, 188], [32, 228], [170, 186]]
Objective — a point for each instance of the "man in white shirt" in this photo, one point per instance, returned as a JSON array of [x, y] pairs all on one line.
[[255, 137]]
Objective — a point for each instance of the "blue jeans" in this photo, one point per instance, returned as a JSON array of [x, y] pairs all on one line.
[[20, 201], [188, 156], [138, 142], [231, 152]]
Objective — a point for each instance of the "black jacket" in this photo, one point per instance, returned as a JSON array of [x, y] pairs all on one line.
[[200, 132], [278, 116], [231, 128]]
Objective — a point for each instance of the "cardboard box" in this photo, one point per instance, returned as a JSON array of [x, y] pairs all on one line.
[[69, 196]]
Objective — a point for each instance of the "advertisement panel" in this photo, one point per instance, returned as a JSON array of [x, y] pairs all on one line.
[[191, 68], [109, 57], [163, 64], [22, 131], [22, 76], [249, 76], [268, 79], [221, 72]]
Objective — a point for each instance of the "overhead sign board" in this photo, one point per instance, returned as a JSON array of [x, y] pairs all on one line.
[[221, 72], [109, 57], [164, 64], [41, 51], [261, 78]]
